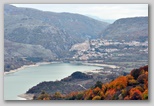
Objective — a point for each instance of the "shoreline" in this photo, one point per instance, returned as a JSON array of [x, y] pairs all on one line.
[[92, 71], [26, 66], [99, 65], [30, 96], [44, 63], [102, 65], [20, 68], [26, 96]]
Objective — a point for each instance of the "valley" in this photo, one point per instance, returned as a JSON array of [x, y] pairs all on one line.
[[84, 55]]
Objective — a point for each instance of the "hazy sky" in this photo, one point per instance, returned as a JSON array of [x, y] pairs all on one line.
[[104, 11]]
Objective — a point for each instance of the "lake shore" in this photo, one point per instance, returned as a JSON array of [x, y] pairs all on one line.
[[43, 63], [101, 65], [30, 96], [26, 66], [92, 71], [26, 96]]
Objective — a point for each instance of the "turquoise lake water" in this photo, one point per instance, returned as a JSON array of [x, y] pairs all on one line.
[[19, 82]]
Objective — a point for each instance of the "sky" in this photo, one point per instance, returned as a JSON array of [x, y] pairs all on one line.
[[102, 11]]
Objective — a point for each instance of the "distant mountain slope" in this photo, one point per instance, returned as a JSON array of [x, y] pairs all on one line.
[[54, 31], [25, 50], [75, 24], [19, 54], [128, 29]]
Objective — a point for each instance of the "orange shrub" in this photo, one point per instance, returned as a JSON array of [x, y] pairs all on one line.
[[88, 94], [135, 94], [110, 94], [102, 95], [124, 92], [96, 90], [145, 94], [129, 77], [132, 82], [127, 98], [44, 96], [146, 85], [104, 87], [96, 98], [146, 81], [139, 88], [119, 83]]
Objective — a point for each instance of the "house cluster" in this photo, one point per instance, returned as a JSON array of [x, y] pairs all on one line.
[[102, 49]]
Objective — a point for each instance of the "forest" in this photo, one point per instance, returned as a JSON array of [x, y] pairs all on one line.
[[133, 86]]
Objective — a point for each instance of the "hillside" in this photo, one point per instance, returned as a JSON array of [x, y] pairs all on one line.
[[19, 54], [128, 29], [54, 31], [133, 86], [26, 50], [128, 55], [77, 81], [40, 35]]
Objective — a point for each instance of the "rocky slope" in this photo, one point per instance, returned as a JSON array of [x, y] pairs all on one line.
[[54, 31], [128, 29], [25, 50], [38, 35]]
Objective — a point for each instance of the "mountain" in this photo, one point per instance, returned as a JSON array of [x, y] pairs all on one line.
[[54, 31], [32, 35], [100, 19], [26, 50], [111, 51], [128, 29]]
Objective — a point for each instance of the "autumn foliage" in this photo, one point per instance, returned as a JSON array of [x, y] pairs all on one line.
[[133, 86]]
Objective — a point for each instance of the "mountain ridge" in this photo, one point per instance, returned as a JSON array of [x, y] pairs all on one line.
[[133, 28], [24, 25]]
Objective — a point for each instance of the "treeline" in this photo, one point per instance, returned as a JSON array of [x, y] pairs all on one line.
[[65, 86], [17, 62], [133, 86]]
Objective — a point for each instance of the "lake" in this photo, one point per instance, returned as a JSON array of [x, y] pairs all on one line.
[[19, 82]]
